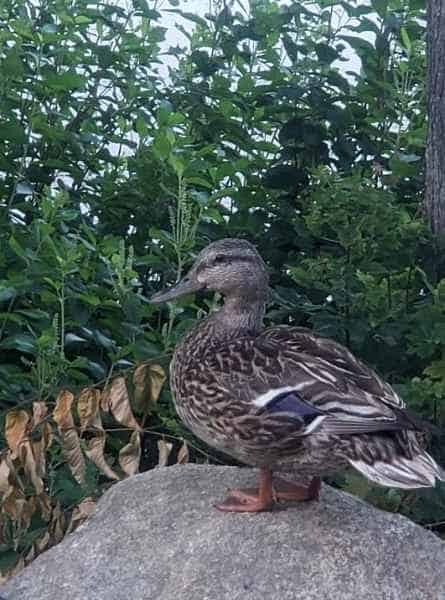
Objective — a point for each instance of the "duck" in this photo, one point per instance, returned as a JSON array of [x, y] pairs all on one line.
[[295, 405]]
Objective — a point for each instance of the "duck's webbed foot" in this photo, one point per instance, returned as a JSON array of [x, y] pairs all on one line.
[[263, 497], [286, 490], [250, 499], [245, 500]]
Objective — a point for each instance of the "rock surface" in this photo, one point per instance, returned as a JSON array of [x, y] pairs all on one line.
[[156, 536]]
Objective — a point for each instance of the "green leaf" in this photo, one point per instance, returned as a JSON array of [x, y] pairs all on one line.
[[199, 181], [97, 370], [65, 82], [6, 293], [82, 20], [186, 15], [141, 127], [89, 299], [177, 164], [49, 28], [362, 46], [103, 340], [212, 214], [325, 53], [284, 177], [11, 64], [33, 313], [405, 39], [21, 341], [12, 132], [72, 338], [408, 158], [381, 7], [436, 370], [24, 188], [15, 247], [162, 146], [245, 84], [292, 49], [146, 11], [8, 558]]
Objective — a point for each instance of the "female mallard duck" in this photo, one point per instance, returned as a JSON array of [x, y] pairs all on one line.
[[284, 399]]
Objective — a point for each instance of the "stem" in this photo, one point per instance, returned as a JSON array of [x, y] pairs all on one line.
[[5, 320], [389, 291], [62, 318], [408, 283], [329, 34], [348, 299], [179, 237]]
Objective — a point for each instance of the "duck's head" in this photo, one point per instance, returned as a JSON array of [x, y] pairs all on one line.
[[230, 266]]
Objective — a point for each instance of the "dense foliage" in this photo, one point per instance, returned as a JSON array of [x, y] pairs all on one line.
[[114, 172]]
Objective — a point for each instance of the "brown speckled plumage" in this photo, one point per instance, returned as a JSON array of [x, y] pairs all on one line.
[[284, 398]]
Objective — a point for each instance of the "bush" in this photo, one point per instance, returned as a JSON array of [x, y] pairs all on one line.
[[113, 176]]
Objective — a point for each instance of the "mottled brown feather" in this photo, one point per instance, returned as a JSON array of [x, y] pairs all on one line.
[[227, 363]]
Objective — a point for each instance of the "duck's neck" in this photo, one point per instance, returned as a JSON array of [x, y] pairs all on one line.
[[240, 315]]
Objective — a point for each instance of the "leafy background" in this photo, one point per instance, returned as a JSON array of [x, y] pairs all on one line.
[[115, 170]]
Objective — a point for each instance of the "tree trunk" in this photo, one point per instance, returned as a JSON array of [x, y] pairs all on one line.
[[435, 150]]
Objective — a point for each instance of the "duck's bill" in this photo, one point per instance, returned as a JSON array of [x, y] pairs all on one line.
[[184, 287]]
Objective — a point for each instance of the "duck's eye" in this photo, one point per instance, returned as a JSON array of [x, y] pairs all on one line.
[[220, 259]]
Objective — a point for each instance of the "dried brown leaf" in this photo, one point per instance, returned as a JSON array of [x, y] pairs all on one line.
[[19, 566], [140, 386], [72, 453], [57, 525], [27, 512], [105, 399], [39, 412], [82, 511], [183, 454], [157, 379], [47, 434], [30, 466], [88, 408], [44, 505], [62, 412], [16, 426], [14, 503], [95, 452], [147, 381], [38, 451], [87, 507], [6, 469], [39, 448], [164, 449], [130, 455], [119, 403], [42, 543], [40, 442], [30, 556]]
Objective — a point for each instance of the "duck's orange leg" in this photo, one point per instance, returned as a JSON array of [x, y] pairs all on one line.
[[263, 497], [286, 490], [251, 499]]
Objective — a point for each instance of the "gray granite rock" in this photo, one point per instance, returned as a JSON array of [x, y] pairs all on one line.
[[156, 536]]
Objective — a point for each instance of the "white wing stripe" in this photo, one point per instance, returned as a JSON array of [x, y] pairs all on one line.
[[317, 375], [353, 410], [313, 424], [264, 399]]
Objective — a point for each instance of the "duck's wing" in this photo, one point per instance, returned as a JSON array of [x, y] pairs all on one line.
[[335, 358], [287, 383], [307, 382]]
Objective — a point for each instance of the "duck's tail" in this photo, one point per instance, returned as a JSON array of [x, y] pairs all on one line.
[[419, 471]]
